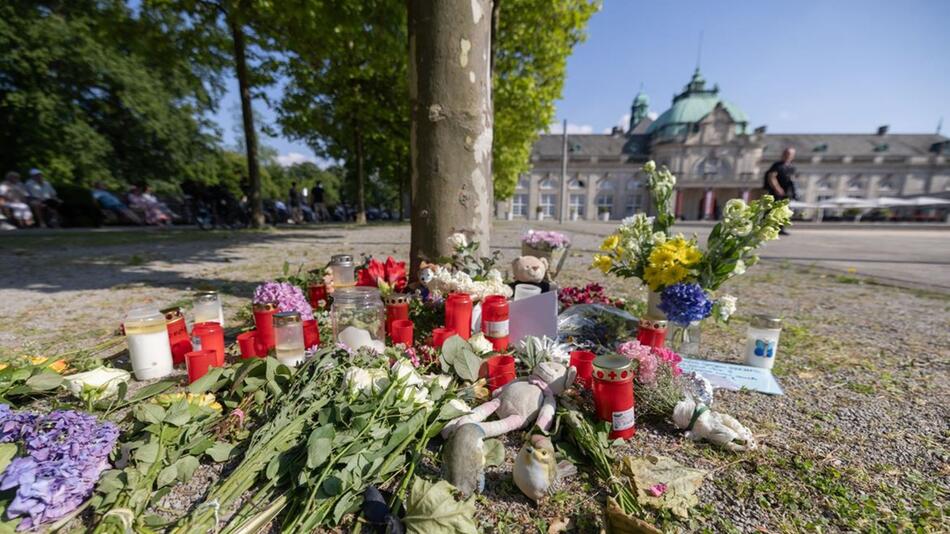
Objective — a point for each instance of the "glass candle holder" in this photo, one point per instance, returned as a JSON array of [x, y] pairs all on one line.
[[358, 317], [761, 344], [207, 308], [652, 331], [613, 394], [343, 270], [288, 331], [209, 336], [178, 336], [401, 332], [198, 363], [149, 348], [439, 335], [495, 311], [583, 361]]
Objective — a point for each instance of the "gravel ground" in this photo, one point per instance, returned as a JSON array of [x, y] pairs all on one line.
[[857, 443]]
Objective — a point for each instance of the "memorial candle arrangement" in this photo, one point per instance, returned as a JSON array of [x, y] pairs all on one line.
[[207, 308], [652, 332], [209, 336], [149, 347], [613, 394], [495, 311], [178, 336], [458, 314], [288, 330]]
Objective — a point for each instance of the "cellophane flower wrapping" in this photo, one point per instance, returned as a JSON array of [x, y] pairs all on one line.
[[545, 239], [65, 453], [287, 296]]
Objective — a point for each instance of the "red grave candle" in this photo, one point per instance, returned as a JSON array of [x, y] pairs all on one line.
[[402, 332], [178, 336], [247, 341], [318, 296], [495, 312], [439, 335], [583, 361], [264, 324], [397, 307], [652, 332], [458, 314], [311, 334], [198, 363], [613, 394], [209, 336], [499, 370]]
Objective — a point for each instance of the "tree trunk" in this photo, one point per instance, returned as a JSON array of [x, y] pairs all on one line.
[[451, 126], [360, 176], [247, 113]]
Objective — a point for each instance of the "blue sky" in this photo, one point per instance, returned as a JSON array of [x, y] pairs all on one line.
[[822, 66]]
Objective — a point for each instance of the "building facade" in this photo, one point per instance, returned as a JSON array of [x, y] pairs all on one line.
[[709, 145]]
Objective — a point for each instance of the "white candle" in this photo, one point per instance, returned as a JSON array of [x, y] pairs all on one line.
[[149, 348]]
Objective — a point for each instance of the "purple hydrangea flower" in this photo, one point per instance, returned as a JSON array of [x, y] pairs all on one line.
[[287, 296], [684, 303], [65, 453]]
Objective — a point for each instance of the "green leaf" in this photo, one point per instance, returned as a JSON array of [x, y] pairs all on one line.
[[206, 382], [150, 413], [467, 366], [332, 486], [44, 381], [431, 508], [147, 453], [7, 452], [178, 414], [348, 503], [167, 476], [319, 445], [452, 349], [151, 390], [200, 446], [220, 452], [273, 466], [494, 452], [185, 467]]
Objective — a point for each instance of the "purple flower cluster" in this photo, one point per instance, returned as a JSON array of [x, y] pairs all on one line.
[[287, 296], [65, 452], [545, 239], [684, 303]]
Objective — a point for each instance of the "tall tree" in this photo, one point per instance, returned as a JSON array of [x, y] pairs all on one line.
[[529, 68], [347, 96], [451, 134], [231, 26]]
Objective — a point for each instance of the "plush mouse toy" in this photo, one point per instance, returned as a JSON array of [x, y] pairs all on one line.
[[521, 402], [530, 270]]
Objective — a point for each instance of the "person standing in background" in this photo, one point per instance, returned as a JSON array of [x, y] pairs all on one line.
[[14, 200], [294, 200], [779, 179], [319, 203]]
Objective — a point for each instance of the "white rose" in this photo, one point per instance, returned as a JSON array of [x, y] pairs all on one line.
[[358, 380], [443, 381], [739, 269], [727, 307], [406, 373], [458, 240], [649, 166], [453, 409], [740, 228], [480, 343], [735, 208]]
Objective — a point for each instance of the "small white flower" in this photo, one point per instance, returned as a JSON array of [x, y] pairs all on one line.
[[739, 269], [649, 166], [458, 240], [444, 381], [726, 307], [406, 373], [480, 343]]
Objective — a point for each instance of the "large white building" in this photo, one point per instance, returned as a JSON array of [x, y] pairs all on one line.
[[710, 146]]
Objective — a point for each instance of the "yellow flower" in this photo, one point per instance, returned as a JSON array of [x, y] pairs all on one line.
[[57, 367], [612, 242], [669, 262], [602, 262], [206, 400]]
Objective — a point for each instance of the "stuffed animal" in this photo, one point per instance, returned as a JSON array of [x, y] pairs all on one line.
[[530, 270], [521, 402], [717, 428], [463, 459], [536, 470]]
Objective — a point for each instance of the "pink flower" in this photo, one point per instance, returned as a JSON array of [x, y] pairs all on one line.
[[646, 361], [670, 358], [657, 489]]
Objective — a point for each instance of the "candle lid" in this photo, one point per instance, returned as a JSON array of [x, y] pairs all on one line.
[[396, 298], [343, 260], [265, 306], [172, 314], [287, 317], [144, 316], [768, 322], [612, 367], [653, 322], [206, 295]]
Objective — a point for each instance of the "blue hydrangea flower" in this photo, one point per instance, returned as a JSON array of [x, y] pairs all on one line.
[[684, 303]]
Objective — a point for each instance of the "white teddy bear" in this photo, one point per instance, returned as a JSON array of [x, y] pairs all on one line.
[[717, 428]]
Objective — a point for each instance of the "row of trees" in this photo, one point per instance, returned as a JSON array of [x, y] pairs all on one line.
[[122, 91]]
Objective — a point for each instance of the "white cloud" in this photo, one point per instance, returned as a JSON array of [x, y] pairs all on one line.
[[786, 115], [652, 115], [557, 128], [286, 160], [624, 121]]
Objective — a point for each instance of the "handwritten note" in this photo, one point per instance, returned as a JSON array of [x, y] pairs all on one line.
[[734, 377]]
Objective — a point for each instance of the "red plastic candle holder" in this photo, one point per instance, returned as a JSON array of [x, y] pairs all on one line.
[[198, 363], [209, 336], [178, 336], [402, 332], [458, 314], [652, 332], [583, 361], [247, 341], [498, 370], [495, 315], [395, 312], [318, 296], [264, 324], [311, 334], [613, 394], [439, 335]]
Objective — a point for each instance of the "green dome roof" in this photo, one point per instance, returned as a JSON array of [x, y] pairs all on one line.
[[690, 106]]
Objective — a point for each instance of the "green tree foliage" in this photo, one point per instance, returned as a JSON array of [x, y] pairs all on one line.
[[533, 40], [90, 91], [347, 94]]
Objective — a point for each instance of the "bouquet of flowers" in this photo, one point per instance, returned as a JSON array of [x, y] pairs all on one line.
[[388, 277], [657, 379], [286, 295], [675, 267], [589, 294], [545, 239], [468, 272]]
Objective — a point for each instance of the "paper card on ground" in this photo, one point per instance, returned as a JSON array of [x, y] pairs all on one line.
[[533, 316], [734, 377]]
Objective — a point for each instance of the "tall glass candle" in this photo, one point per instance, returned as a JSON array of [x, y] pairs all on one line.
[[209, 336], [652, 332], [149, 348], [397, 307], [762, 341], [288, 331], [343, 270], [208, 308]]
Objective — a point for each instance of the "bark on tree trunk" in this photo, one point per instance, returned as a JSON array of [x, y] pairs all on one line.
[[360, 176], [451, 135], [247, 113]]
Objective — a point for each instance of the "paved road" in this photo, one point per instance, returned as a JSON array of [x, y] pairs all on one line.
[[900, 255]]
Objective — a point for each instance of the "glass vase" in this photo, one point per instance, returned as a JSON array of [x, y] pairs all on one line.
[[653, 305], [685, 339]]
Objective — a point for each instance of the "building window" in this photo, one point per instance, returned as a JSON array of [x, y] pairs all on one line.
[[548, 183], [548, 204], [524, 182], [632, 206], [576, 183], [825, 184], [519, 205], [633, 184], [576, 204], [856, 184], [605, 201], [605, 185], [887, 184]]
